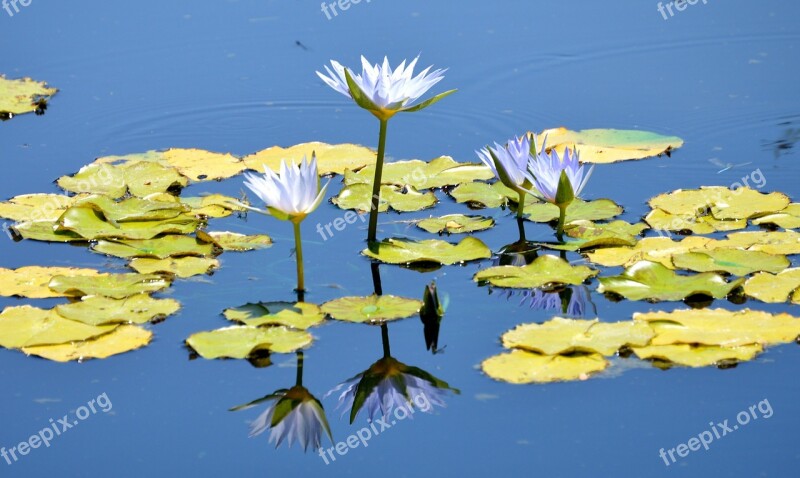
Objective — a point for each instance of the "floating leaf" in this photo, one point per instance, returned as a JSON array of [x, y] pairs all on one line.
[[23, 95], [653, 281], [721, 327], [96, 179], [653, 249], [479, 195], [359, 197], [776, 242], [561, 336], [440, 172], [33, 281], [159, 248], [240, 342], [455, 224], [698, 355], [232, 241], [773, 288], [300, 315], [589, 235], [696, 224], [732, 261], [91, 225], [35, 207], [395, 251], [788, 218], [27, 326], [136, 309], [201, 165], [133, 209], [609, 145], [331, 158], [182, 267], [44, 231], [141, 178], [213, 205], [374, 309], [116, 286], [544, 271], [122, 339], [144, 178], [723, 203], [578, 209], [520, 366]]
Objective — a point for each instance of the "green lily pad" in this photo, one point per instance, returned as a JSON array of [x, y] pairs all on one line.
[[480, 195], [300, 315], [158, 248], [33, 281], [374, 309], [182, 267], [698, 355], [772, 242], [136, 309], [213, 205], [395, 251], [723, 203], [609, 145], [23, 95], [653, 281], [359, 197], [455, 224], [696, 224], [721, 327], [562, 336], [115, 286], [27, 326], [732, 261], [232, 241], [597, 210], [102, 179], [92, 225], [240, 342], [331, 158], [440, 172], [588, 235], [788, 218], [653, 249], [122, 339], [44, 231], [520, 367], [35, 207], [544, 271], [141, 178], [133, 209], [773, 288]]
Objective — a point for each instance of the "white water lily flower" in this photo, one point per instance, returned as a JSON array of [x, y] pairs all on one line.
[[510, 162], [304, 423], [382, 90], [293, 194], [545, 172]]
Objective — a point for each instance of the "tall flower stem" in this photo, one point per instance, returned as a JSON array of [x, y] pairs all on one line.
[[385, 338], [562, 216], [520, 216], [298, 249], [376, 183], [299, 381]]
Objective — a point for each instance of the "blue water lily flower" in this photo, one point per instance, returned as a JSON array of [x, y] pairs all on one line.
[[544, 172]]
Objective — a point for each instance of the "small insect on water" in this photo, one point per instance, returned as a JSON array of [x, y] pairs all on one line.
[[726, 166]]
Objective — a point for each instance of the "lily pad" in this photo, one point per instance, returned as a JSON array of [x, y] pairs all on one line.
[[788, 218], [732, 261], [35, 207], [331, 158], [772, 242], [115, 286], [141, 178], [597, 210], [136, 309], [213, 205], [102, 179], [33, 281], [588, 235], [27, 326], [698, 355], [182, 267], [455, 224], [395, 251], [44, 231], [23, 95], [133, 209], [122, 339], [373, 309], [723, 203], [696, 224], [480, 195], [562, 336], [773, 288], [232, 241], [653, 249], [721, 327], [520, 366], [440, 172], [544, 271], [300, 315], [92, 225], [201, 165], [240, 342], [359, 197], [158, 248], [653, 281], [609, 145]]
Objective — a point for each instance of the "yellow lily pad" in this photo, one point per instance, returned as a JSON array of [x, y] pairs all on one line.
[[653, 281], [134, 208], [182, 267], [395, 251], [544, 271], [91, 225], [772, 242], [201, 165], [122, 339], [359, 197], [212, 205], [232, 241], [158, 248], [300, 315], [609, 145], [597, 210], [140, 178], [479, 195], [115, 286], [653, 249], [723, 203], [696, 224], [373, 309], [773, 288], [33, 281], [331, 158], [698, 355], [27, 326], [455, 224], [240, 342], [788, 218], [23, 95], [586, 235], [440, 172], [733, 261], [561, 336], [136, 309], [35, 207], [44, 231], [522, 367]]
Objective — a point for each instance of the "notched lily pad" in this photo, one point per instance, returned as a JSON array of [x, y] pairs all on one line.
[[136, 309], [46, 231], [115, 286], [359, 197], [158, 248], [331, 158], [91, 224], [440, 172], [732, 261], [455, 224], [395, 251], [122, 339], [588, 235], [300, 315], [561, 336], [698, 355], [27, 326], [182, 267], [478, 195], [33, 281], [721, 202], [373, 309], [232, 241], [23, 95], [201, 165], [788, 218], [774, 288], [701, 223], [241, 342], [653, 249], [609, 145], [522, 367], [544, 271], [140, 178], [35, 207]]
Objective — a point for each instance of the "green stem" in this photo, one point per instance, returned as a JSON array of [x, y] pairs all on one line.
[[520, 217], [385, 338], [298, 249], [562, 216], [376, 184], [299, 381]]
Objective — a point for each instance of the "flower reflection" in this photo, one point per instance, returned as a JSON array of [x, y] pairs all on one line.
[[389, 383], [572, 301]]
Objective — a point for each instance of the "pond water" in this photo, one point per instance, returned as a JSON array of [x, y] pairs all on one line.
[[238, 76]]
